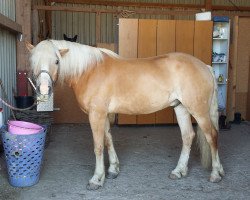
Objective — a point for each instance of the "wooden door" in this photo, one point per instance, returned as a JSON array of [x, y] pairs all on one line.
[[248, 94], [146, 48], [128, 36], [165, 44], [202, 45], [243, 62], [69, 112], [185, 40], [185, 36]]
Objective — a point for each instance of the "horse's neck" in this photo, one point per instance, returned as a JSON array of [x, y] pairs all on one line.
[[80, 59]]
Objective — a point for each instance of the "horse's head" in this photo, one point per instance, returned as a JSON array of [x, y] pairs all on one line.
[[45, 63]]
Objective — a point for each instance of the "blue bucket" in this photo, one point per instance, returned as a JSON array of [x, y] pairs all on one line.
[[24, 156]]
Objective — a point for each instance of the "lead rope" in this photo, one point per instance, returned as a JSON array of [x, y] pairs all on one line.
[[15, 108], [4, 101]]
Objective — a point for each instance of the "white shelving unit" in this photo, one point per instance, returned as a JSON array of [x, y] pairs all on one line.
[[220, 60]]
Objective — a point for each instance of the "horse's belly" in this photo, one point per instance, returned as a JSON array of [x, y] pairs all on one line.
[[140, 103]]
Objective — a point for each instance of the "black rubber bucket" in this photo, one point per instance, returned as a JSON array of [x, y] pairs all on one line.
[[237, 118], [24, 101]]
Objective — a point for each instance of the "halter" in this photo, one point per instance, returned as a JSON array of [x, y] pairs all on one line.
[[47, 72], [49, 88]]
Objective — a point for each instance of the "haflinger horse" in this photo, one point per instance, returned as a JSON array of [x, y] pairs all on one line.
[[104, 83]]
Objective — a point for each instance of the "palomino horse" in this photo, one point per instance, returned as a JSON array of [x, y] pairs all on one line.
[[105, 83]]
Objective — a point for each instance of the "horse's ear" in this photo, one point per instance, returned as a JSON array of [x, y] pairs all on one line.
[[63, 51], [29, 46]]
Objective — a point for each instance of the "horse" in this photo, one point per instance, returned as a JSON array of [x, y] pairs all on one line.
[[104, 83]]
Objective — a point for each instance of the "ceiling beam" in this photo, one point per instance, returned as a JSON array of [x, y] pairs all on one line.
[[9, 24], [208, 5], [114, 11], [134, 11], [130, 4], [231, 8]]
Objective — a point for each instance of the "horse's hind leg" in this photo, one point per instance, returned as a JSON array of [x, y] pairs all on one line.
[[211, 135], [113, 170], [187, 133], [97, 122]]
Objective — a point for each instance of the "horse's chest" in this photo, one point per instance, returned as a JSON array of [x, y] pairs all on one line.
[[82, 98]]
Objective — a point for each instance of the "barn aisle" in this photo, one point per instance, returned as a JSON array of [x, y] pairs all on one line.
[[147, 155]]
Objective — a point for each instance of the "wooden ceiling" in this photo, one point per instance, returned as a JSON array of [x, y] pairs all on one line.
[[207, 6]]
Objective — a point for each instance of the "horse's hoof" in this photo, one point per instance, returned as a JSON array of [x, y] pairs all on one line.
[[112, 175], [174, 176], [92, 186], [215, 179]]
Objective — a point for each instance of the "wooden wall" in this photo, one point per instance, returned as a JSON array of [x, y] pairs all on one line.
[[248, 95], [128, 48], [147, 32], [23, 17], [242, 45], [165, 43], [69, 111], [144, 38]]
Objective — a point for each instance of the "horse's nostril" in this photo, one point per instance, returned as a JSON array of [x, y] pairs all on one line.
[[49, 89]]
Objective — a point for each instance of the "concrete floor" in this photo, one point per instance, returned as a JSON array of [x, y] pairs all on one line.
[[147, 155]]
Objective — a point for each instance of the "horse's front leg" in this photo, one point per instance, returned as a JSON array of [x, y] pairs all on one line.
[[113, 170], [97, 121]]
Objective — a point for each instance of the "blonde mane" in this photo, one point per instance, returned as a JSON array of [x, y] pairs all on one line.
[[78, 59]]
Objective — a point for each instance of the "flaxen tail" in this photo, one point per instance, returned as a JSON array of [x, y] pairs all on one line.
[[204, 147]]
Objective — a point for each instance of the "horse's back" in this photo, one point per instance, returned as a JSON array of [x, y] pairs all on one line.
[[171, 70]]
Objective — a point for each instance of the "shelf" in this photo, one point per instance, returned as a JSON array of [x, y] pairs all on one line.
[[219, 62], [220, 38], [221, 83]]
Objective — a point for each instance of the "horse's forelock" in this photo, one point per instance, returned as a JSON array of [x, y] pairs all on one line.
[[78, 59], [40, 53]]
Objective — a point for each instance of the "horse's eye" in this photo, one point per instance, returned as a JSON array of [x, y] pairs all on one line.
[[57, 62]]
